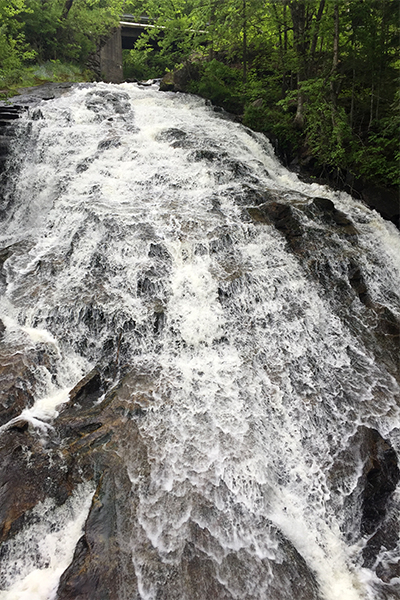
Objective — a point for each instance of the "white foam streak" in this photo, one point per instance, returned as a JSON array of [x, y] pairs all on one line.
[[38, 556]]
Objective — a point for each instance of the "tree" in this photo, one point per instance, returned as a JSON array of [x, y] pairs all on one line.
[[13, 47], [68, 30]]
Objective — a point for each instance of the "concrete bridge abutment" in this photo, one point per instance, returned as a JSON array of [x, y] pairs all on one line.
[[111, 58]]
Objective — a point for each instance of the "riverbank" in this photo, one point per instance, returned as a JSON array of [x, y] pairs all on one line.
[[291, 144], [294, 155]]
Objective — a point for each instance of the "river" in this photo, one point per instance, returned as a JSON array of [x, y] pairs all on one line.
[[240, 332]]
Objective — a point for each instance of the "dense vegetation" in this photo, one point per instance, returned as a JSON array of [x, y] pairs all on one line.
[[321, 76], [51, 39]]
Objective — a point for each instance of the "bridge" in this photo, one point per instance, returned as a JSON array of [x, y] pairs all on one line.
[[123, 38]]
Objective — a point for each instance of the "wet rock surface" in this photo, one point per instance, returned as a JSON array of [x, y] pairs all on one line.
[[101, 566], [178, 80], [98, 434], [371, 507], [316, 249], [85, 443], [9, 113], [17, 381]]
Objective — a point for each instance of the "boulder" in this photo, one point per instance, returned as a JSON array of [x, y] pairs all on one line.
[[179, 80], [283, 217], [327, 210]]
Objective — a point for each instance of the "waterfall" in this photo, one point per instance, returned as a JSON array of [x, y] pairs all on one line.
[[199, 381]]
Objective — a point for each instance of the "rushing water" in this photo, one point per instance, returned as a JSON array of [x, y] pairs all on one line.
[[136, 246]]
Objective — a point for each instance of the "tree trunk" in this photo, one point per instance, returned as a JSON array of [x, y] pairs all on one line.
[[67, 7], [316, 32], [335, 60], [244, 42], [298, 14]]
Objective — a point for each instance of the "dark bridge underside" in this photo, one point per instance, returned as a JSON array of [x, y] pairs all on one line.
[[123, 38], [130, 34], [129, 37]]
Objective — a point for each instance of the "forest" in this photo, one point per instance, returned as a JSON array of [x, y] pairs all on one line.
[[319, 77]]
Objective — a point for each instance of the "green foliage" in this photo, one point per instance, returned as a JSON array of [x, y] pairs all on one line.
[[275, 124], [145, 64], [319, 75], [50, 31], [13, 48], [221, 84], [70, 34], [27, 76]]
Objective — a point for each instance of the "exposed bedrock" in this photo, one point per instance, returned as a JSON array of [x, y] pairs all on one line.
[[340, 276], [88, 442], [371, 508]]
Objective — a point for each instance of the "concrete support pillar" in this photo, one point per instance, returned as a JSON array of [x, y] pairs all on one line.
[[111, 59]]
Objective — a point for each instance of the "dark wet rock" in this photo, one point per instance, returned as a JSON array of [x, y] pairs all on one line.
[[9, 115], [283, 217], [30, 471], [6, 253], [167, 83], [381, 475], [17, 382], [159, 322], [238, 169], [369, 507], [104, 103], [113, 142], [200, 579], [87, 391], [36, 114], [328, 211], [324, 205], [175, 137], [85, 164], [2, 330], [79, 446], [101, 566], [32, 96], [159, 251], [235, 574], [146, 286], [179, 80], [357, 282], [389, 324], [204, 154], [390, 570], [29, 474], [221, 243]]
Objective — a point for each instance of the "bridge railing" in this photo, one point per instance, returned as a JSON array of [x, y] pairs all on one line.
[[143, 19]]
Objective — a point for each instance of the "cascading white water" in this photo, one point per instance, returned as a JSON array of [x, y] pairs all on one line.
[[138, 250]]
